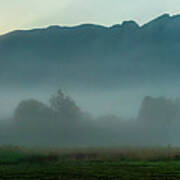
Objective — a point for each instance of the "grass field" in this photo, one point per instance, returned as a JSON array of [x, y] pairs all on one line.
[[86, 164]]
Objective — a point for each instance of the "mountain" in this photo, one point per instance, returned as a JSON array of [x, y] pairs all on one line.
[[88, 55]]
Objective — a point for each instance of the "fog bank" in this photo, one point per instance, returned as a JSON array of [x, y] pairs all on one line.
[[61, 122]]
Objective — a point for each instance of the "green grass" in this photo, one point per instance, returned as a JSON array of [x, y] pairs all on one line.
[[93, 170], [89, 164], [11, 156]]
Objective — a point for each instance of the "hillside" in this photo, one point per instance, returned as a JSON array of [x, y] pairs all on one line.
[[93, 55]]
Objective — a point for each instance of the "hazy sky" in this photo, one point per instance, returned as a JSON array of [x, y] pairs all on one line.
[[21, 14]]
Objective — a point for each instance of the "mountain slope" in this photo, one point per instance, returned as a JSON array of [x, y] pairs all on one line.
[[93, 56]]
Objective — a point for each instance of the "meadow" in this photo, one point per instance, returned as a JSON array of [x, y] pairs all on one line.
[[89, 163]]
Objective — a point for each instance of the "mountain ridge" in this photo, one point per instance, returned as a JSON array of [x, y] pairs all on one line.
[[93, 55], [163, 16]]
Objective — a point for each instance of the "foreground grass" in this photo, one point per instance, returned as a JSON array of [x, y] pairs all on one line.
[[86, 164], [93, 170]]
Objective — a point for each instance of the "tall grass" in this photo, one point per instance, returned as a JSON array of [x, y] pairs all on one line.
[[19, 154]]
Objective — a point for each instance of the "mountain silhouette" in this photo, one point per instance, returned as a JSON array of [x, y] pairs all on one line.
[[88, 55]]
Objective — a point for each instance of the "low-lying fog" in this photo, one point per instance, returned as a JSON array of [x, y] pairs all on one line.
[[139, 116], [124, 102]]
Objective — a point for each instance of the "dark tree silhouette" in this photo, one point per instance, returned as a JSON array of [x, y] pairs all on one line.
[[64, 106], [32, 109]]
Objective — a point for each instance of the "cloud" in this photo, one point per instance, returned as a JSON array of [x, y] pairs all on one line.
[[20, 14]]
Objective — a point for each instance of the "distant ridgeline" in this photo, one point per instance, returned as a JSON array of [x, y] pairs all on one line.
[[93, 55]]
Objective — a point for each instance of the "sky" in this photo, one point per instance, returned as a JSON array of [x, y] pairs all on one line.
[[21, 14]]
